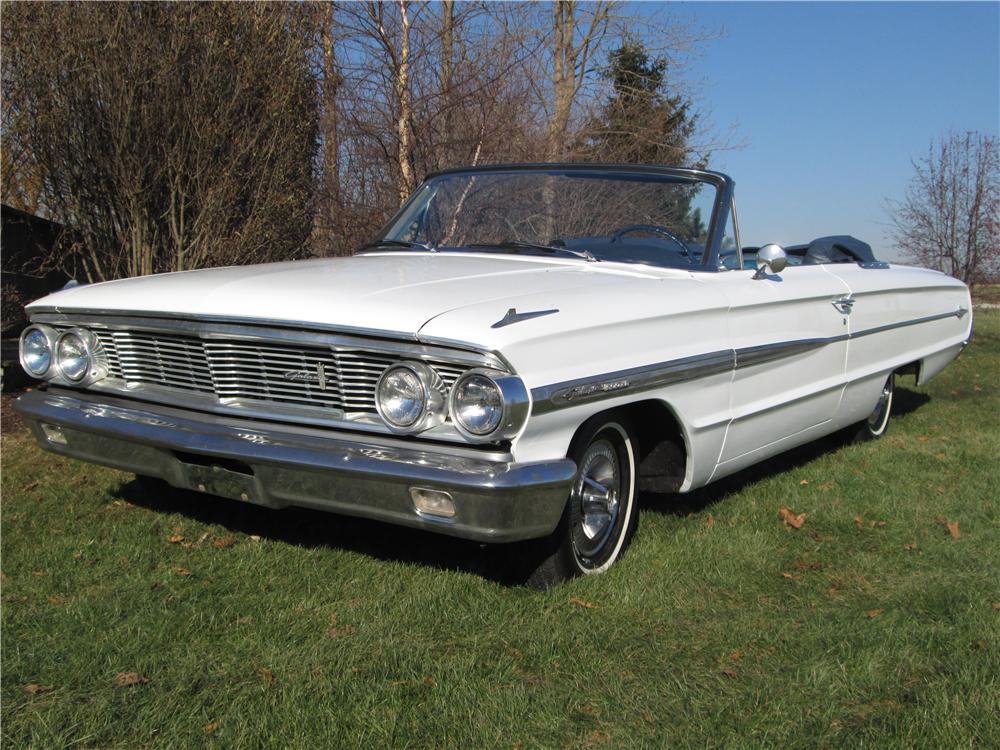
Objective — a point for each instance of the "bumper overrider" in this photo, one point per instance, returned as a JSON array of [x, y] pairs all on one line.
[[494, 499]]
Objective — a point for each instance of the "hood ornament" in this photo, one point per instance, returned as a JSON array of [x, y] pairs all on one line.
[[513, 316]]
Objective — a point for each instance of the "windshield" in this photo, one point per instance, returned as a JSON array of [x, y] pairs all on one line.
[[654, 219]]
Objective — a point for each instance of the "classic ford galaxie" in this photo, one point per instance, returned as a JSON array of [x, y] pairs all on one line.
[[520, 348]]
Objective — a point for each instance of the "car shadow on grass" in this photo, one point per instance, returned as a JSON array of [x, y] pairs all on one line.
[[309, 528], [506, 564]]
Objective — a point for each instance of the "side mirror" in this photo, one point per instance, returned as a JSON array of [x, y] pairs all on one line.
[[770, 258]]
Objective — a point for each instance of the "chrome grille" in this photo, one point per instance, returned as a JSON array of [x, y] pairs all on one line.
[[240, 370]]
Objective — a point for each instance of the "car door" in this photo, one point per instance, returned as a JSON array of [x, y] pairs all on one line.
[[790, 344]]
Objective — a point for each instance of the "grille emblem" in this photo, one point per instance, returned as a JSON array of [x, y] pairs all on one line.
[[308, 376]]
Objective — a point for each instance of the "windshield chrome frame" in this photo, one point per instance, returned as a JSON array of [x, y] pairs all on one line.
[[723, 184]]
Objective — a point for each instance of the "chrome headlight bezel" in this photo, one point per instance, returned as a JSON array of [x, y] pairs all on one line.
[[433, 408], [50, 335], [97, 365], [514, 397]]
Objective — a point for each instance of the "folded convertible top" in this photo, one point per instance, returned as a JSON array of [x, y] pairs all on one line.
[[840, 248]]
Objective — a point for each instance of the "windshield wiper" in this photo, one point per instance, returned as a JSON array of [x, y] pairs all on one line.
[[518, 245], [376, 244]]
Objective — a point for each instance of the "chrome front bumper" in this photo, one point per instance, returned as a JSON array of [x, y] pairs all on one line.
[[496, 499]]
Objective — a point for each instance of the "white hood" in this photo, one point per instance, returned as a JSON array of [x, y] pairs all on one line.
[[392, 292]]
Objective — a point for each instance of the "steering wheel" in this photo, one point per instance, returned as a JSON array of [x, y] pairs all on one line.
[[655, 229]]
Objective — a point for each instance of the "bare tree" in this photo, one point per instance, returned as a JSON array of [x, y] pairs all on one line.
[[576, 36], [158, 136], [950, 217]]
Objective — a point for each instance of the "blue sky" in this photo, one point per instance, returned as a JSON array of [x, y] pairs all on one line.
[[833, 100]]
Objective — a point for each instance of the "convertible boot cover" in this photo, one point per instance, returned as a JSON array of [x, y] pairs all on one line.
[[841, 248]]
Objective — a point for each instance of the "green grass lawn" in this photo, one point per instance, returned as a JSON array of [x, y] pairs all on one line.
[[874, 624]]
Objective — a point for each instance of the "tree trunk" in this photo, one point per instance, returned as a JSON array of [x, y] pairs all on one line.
[[404, 126]]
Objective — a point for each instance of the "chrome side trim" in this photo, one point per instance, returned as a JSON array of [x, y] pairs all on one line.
[[758, 355], [610, 385], [915, 321]]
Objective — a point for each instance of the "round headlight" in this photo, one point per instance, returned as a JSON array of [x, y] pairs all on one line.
[[409, 397], [477, 404], [487, 405], [72, 356], [36, 351]]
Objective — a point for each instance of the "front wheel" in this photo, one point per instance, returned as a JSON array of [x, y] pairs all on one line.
[[600, 517]]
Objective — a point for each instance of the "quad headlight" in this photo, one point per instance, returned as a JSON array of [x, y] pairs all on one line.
[[410, 397], [487, 405], [72, 357], [37, 345]]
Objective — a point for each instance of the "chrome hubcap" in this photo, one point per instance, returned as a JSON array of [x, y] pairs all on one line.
[[596, 496]]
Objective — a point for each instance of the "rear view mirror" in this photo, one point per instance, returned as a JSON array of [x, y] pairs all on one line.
[[770, 258]]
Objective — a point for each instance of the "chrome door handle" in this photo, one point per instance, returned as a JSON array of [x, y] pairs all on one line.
[[844, 305]]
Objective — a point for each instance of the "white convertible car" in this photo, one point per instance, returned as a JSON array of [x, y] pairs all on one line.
[[521, 346]]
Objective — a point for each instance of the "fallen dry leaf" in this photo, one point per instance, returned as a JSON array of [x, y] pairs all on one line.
[[266, 675], [873, 524], [580, 602], [710, 521], [976, 387], [910, 546], [730, 673], [803, 565], [128, 679], [859, 522], [210, 727], [873, 613], [35, 689], [175, 539], [339, 632], [996, 605], [803, 482], [55, 599], [182, 571], [736, 655], [787, 515], [226, 541], [254, 538], [428, 680], [922, 438], [952, 526], [786, 574]]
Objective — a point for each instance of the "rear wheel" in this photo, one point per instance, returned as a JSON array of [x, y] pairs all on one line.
[[877, 423], [600, 517]]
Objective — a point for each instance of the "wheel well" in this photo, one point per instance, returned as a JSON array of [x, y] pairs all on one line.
[[911, 369], [663, 454]]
